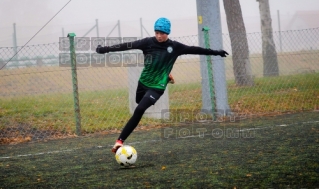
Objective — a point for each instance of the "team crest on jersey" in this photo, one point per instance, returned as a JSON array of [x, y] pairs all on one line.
[[169, 49]]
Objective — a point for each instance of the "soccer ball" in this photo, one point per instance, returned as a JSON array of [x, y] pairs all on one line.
[[126, 155]]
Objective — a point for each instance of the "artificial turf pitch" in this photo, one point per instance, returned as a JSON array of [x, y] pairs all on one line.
[[273, 152]]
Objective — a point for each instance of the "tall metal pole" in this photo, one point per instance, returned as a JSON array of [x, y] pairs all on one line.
[[119, 27], [15, 44], [141, 27], [62, 32], [209, 69], [97, 27], [208, 12], [75, 85], [280, 42], [112, 30]]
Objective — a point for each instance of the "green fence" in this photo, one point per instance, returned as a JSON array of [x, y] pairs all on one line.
[[37, 101]]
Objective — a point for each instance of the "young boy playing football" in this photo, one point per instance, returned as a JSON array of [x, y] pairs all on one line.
[[160, 54]]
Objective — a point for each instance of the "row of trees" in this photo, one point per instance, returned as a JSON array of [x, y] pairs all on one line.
[[239, 44]]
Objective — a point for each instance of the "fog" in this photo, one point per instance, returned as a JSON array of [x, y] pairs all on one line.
[[79, 16]]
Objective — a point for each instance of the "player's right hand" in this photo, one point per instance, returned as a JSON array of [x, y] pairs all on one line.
[[100, 49]]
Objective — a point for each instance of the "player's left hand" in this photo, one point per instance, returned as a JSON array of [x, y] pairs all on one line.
[[222, 53]]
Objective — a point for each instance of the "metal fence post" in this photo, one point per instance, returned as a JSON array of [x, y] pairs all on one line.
[[75, 85], [15, 46], [209, 69]]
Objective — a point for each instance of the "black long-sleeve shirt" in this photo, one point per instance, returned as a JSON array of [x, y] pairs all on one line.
[[159, 58]]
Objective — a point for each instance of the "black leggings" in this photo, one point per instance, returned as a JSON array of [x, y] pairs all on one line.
[[145, 98]]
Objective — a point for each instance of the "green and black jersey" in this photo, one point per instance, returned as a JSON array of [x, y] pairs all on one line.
[[159, 58]]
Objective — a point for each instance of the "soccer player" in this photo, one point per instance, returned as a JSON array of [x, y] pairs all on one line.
[[160, 54]]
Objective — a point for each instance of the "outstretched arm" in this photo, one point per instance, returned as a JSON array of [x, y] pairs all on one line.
[[201, 51], [139, 44]]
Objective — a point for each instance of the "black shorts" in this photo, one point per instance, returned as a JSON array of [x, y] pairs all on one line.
[[144, 92]]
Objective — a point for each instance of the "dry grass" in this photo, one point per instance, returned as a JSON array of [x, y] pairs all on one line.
[[41, 97]]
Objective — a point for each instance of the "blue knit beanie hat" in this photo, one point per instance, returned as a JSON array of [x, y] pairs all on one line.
[[163, 25]]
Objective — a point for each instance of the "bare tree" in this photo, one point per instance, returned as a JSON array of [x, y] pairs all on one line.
[[268, 46], [239, 44]]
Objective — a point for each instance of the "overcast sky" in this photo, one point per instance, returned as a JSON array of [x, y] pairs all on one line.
[[80, 15]]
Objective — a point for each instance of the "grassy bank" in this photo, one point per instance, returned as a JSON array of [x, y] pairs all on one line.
[[108, 110]]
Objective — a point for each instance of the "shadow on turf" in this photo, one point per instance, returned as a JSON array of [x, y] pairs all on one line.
[[135, 167]]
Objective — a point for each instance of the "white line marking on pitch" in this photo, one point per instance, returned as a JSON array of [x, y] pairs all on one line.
[[74, 149]]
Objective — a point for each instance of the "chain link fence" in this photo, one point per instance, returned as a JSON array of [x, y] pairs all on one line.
[[36, 92]]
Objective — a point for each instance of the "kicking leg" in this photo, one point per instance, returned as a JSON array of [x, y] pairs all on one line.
[[145, 103]]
